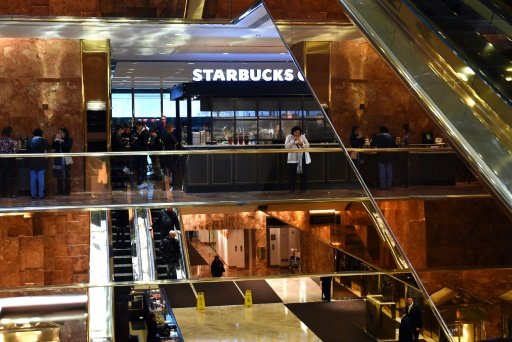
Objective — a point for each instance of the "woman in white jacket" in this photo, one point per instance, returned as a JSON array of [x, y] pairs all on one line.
[[297, 161]]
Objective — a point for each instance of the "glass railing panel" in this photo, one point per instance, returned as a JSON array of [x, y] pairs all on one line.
[[222, 173]]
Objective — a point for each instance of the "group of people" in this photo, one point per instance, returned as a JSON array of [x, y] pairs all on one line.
[[157, 138], [62, 143], [382, 140]]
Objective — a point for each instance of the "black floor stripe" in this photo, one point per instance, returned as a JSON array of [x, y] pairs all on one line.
[[262, 293], [338, 321], [180, 295], [220, 293]]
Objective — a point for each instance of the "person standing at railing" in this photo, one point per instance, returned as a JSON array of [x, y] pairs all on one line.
[[298, 161], [37, 165], [62, 165], [384, 159], [8, 165]]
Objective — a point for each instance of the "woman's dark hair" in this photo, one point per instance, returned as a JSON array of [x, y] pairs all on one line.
[[7, 131], [406, 128], [296, 128], [383, 129], [38, 132], [65, 131]]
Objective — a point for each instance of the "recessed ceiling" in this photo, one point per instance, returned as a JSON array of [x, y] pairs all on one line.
[[160, 54]]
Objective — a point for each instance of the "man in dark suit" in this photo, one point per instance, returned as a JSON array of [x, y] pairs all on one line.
[[413, 311]]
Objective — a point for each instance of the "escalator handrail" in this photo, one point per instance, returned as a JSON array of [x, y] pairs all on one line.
[[502, 9], [457, 51], [185, 260]]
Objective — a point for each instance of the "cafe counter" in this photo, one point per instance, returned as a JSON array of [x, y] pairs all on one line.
[[214, 172]]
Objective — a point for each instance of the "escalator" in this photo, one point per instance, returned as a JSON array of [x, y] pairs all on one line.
[[487, 46], [470, 99], [158, 236], [122, 249]]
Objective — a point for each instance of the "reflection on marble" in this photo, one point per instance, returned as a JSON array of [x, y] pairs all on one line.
[[238, 323], [157, 197], [296, 290]]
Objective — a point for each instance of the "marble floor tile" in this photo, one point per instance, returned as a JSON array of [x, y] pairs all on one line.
[[261, 322], [296, 290]]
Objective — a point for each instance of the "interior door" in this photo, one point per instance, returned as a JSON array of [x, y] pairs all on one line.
[[274, 246]]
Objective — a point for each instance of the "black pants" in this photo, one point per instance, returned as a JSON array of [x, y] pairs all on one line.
[[64, 181], [8, 177], [141, 168], [292, 176]]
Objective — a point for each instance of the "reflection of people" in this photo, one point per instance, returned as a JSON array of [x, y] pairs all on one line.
[[62, 166], [405, 330], [384, 140], [37, 166], [297, 161], [326, 288], [170, 249], [8, 165], [294, 263], [414, 313], [217, 267]]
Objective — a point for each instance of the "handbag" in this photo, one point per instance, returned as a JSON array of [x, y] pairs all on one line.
[[68, 160]]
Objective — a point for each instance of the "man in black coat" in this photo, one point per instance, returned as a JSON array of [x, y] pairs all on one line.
[[413, 312], [384, 140], [171, 253]]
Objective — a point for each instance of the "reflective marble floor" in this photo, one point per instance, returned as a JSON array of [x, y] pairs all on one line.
[[237, 323], [261, 322]]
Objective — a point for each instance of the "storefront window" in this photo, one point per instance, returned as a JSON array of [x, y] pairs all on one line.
[[312, 109], [223, 108], [291, 109], [169, 106], [121, 105], [147, 105], [245, 108], [268, 108]]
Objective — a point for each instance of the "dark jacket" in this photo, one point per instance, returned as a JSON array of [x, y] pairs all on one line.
[[64, 147], [384, 140], [119, 144], [414, 315], [217, 268], [141, 144], [166, 221], [169, 141], [37, 145], [170, 249], [356, 142]]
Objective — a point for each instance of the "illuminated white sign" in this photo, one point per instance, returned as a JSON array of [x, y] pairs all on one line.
[[246, 75]]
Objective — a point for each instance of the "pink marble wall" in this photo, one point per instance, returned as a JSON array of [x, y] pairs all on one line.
[[480, 237], [34, 72], [407, 221], [44, 249]]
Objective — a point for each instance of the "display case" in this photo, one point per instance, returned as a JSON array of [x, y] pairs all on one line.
[[242, 121]]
